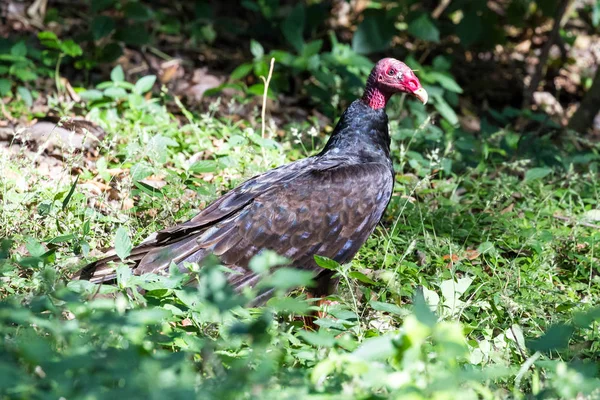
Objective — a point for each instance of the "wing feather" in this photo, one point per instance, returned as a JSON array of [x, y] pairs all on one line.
[[302, 209]]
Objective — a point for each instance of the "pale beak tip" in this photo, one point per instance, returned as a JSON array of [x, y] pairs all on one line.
[[422, 95]]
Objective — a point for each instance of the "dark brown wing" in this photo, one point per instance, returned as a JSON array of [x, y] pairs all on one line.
[[327, 209], [174, 240]]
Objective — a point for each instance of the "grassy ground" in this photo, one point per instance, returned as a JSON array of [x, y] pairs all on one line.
[[481, 281]]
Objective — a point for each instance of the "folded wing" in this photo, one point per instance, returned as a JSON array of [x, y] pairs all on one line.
[[310, 207]]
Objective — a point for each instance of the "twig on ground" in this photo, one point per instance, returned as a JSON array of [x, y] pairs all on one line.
[[573, 222], [5, 113], [440, 8], [152, 70]]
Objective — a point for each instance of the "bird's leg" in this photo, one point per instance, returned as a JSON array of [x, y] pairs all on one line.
[[325, 286], [323, 304], [309, 320]]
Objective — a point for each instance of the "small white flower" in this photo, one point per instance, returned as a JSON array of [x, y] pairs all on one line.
[[434, 156]]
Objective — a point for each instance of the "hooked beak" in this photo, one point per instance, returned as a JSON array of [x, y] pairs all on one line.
[[422, 95]]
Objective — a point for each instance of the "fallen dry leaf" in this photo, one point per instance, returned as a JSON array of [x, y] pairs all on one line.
[[127, 204], [471, 254], [452, 257]]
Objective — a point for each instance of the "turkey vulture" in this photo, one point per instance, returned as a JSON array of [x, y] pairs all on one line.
[[327, 204]]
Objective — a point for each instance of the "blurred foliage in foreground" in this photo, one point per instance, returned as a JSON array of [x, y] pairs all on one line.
[[183, 342]]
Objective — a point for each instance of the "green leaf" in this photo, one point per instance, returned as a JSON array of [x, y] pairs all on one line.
[[148, 316], [312, 48], [149, 190], [137, 11], [144, 84], [327, 263], [123, 244], [422, 310], [318, 339], [283, 57], [25, 95], [47, 36], [62, 238], [110, 52], [35, 248], [261, 68], [585, 319], [136, 35], [70, 194], [241, 71], [259, 90], [375, 348], [71, 48], [204, 166], [323, 369], [24, 75], [445, 110], [136, 100], [124, 274], [91, 95], [441, 63], [289, 305], [537, 173], [14, 59], [117, 74], [156, 147], [288, 278], [5, 86], [19, 49], [293, 27], [266, 260], [556, 337], [102, 26], [256, 49], [423, 28], [374, 33], [485, 247], [100, 5], [470, 28], [5, 246], [140, 171], [445, 80], [389, 308], [115, 93], [362, 277], [208, 33]]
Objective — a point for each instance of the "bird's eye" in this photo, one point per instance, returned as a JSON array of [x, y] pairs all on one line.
[[391, 72]]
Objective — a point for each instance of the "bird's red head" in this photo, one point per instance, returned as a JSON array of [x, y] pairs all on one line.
[[391, 76]]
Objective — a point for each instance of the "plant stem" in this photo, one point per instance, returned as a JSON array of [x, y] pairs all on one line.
[[264, 102], [57, 72]]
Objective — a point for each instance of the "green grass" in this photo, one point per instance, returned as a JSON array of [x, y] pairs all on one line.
[[471, 287]]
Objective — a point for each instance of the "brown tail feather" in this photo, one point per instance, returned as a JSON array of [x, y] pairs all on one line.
[[102, 271], [143, 259]]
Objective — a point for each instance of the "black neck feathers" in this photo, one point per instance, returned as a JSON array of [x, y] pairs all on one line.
[[361, 131]]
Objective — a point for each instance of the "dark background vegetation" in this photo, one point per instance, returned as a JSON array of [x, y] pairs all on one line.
[[493, 225]]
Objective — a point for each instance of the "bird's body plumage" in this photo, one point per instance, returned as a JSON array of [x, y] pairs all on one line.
[[326, 205]]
